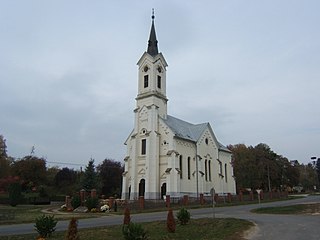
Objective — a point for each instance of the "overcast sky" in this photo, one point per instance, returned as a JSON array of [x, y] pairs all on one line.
[[68, 73]]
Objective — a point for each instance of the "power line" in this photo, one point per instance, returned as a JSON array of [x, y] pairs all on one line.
[[63, 163]]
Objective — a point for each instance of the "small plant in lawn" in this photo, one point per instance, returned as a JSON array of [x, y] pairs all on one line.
[[134, 231], [72, 233], [183, 216], [45, 225], [171, 223], [126, 218]]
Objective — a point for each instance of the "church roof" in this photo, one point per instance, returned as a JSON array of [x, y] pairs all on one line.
[[152, 43], [189, 131], [184, 129]]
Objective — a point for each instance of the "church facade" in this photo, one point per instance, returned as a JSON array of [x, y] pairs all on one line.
[[167, 155]]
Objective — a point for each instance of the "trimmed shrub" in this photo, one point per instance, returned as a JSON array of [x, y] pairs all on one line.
[[183, 216], [15, 195], [72, 233], [45, 225], [91, 203], [75, 202], [171, 223], [134, 231], [126, 218]]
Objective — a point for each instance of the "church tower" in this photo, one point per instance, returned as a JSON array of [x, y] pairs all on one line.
[[152, 76], [143, 143]]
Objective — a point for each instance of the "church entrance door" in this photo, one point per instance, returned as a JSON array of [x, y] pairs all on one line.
[[142, 187], [163, 190]]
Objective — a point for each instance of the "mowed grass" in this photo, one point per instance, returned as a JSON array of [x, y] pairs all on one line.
[[206, 228], [293, 209], [28, 213]]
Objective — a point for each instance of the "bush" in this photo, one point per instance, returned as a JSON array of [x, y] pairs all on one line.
[[72, 233], [171, 224], [134, 231], [75, 202], [45, 225], [183, 216], [92, 202], [14, 194]]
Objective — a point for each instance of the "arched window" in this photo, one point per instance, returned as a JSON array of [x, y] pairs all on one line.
[[180, 166], [189, 170], [206, 169], [209, 168], [225, 172]]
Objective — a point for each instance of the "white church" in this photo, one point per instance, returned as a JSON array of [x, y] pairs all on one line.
[[167, 155]]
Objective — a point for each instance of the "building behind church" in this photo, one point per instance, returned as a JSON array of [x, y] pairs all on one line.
[[167, 155]]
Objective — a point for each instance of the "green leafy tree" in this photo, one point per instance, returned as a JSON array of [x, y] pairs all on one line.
[[65, 180], [244, 166], [308, 176], [31, 169], [90, 177], [110, 174], [5, 161], [260, 167]]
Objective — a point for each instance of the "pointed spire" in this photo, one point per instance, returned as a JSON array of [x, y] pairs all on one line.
[[152, 43]]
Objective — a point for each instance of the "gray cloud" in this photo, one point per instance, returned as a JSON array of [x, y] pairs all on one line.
[[68, 75]]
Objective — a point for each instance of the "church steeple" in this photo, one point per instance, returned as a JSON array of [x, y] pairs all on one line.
[[152, 43], [152, 77]]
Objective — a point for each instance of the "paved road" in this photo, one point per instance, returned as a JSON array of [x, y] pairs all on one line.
[[284, 227], [271, 227]]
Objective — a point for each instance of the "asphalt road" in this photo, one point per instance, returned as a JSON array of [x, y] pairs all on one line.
[[284, 227]]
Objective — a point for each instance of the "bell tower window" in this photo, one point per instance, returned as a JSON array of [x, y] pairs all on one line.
[[143, 146], [146, 81], [159, 81]]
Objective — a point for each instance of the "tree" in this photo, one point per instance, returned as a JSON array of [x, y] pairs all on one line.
[[31, 170], [318, 170], [308, 176], [244, 166], [5, 161], [65, 179], [260, 167], [3, 147], [110, 173], [90, 179]]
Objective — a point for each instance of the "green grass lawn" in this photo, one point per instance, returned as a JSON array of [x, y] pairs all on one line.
[[293, 209], [28, 213], [206, 228]]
